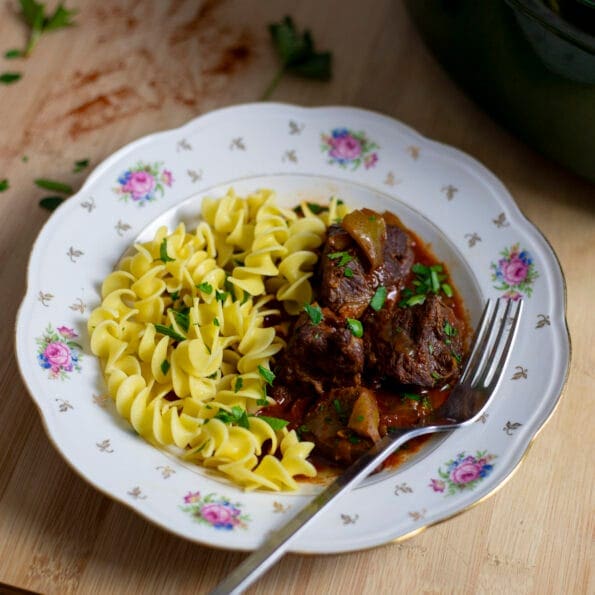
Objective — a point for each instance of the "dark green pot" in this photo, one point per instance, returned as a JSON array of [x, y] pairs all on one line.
[[531, 69]]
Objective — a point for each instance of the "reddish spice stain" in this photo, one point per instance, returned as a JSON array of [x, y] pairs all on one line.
[[231, 58], [105, 109]]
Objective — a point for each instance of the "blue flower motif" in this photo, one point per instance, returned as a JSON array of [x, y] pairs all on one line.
[[524, 256], [486, 470], [123, 179], [340, 132], [43, 362]]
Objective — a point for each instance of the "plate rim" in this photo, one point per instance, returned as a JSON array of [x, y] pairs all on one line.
[[473, 167]]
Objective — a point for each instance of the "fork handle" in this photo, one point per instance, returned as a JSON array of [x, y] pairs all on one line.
[[278, 541]]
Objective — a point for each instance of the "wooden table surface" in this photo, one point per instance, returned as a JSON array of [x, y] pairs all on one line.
[[131, 68]]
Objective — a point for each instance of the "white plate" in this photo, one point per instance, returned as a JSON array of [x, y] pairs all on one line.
[[447, 197]]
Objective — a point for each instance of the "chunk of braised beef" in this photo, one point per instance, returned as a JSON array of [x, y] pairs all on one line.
[[398, 258], [323, 355], [345, 286], [326, 424], [420, 345], [347, 283]]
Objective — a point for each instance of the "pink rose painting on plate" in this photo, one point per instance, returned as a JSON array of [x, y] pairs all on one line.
[[349, 149], [463, 473], [144, 182], [58, 353], [514, 273], [216, 511]]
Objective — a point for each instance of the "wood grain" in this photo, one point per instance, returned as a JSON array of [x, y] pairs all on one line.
[[131, 68]]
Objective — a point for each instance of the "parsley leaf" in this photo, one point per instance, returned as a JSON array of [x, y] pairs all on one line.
[[237, 415], [182, 319], [4, 185], [221, 296], [53, 186], [379, 298], [163, 255], [169, 331], [39, 22], [449, 330], [297, 55], [275, 422], [205, 287], [51, 203], [348, 272], [343, 257], [238, 385], [428, 280], [12, 54], [80, 165], [356, 327], [314, 312], [7, 78], [165, 365], [267, 374]]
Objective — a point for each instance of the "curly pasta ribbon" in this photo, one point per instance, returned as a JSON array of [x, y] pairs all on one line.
[[182, 340]]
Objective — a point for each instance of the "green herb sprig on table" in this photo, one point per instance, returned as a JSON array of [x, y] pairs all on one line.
[[39, 22], [8, 78], [51, 203], [297, 54]]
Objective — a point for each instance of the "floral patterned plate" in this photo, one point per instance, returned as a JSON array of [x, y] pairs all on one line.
[[448, 198]]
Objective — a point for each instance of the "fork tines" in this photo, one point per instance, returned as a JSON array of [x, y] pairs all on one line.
[[492, 343]]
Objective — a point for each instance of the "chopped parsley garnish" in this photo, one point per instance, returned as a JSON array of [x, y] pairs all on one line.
[[51, 203], [238, 384], [174, 295], [182, 319], [314, 208], [4, 185], [264, 402], [221, 296], [267, 374], [342, 257], [354, 439], [80, 165], [8, 78], [12, 54], [237, 416], [359, 418], [216, 321], [428, 280], [169, 331], [275, 422], [165, 365], [337, 406], [205, 287], [302, 430], [163, 255], [53, 186], [411, 397], [229, 286], [348, 272], [449, 330], [435, 375], [379, 298], [314, 312], [356, 327]]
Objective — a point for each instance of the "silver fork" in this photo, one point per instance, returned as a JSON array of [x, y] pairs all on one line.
[[467, 401]]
